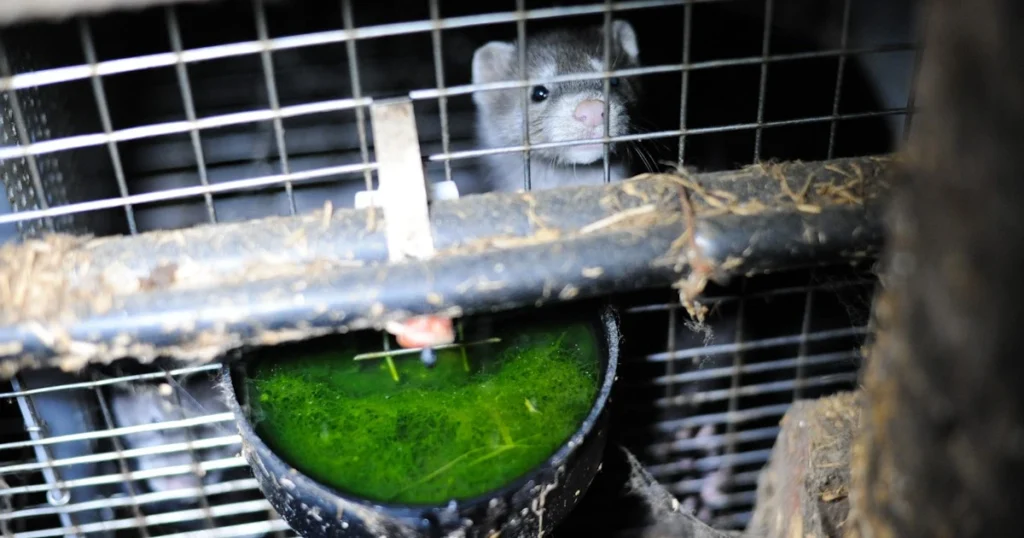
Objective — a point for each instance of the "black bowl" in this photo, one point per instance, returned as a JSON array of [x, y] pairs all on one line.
[[528, 506]]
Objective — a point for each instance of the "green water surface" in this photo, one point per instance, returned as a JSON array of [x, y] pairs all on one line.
[[473, 423]]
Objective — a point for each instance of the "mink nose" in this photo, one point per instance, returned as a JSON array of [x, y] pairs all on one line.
[[590, 112]]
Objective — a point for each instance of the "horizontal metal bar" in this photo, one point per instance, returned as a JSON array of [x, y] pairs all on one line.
[[102, 434], [350, 169], [663, 450], [234, 486], [246, 507], [171, 470], [710, 463], [113, 381], [178, 127], [227, 50], [654, 135], [729, 417], [730, 501], [777, 341], [691, 486], [321, 173], [464, 89], [197, 444], [196, 293], [246, 529], [754, 389], [739, 520], [705, 374], [739, 499], [252, 116], [187, 192]]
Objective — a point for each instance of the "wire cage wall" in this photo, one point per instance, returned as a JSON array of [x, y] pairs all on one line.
[[223, 156]]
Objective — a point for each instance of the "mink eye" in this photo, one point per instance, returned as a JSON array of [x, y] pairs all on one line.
[[539, 94], [613, 82]]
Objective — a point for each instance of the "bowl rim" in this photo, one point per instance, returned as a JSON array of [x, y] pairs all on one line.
[[607, 320]]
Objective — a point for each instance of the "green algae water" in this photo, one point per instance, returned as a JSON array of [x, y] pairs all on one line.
[[482, 417]]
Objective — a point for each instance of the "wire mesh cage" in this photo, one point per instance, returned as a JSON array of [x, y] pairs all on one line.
[[134, 470], [231, 169]]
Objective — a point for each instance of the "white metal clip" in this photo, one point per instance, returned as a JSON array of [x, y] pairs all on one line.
[[403, 191]]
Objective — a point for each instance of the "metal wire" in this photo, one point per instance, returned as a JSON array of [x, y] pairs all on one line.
[[523, 77], [179, 127], [442, 102], [840, 69], [662, 134], [685, 89], [137, 501], [101, 104], [276, 114], [805, 329], [716, 419], [23, 136], [466, 89], [690, 444], [606, 63], [182, 423], [188, 192], [248, 529], [735, 388], [204, 502], [179, 516], [122, 463], [734, 391], [57, 494], [265, 181], [737, 347], [9, 81], [705, 374], [670, 347], [732, 395], [765, 46], [275, 104], [123, 454], [111, 381], [190, 110], [712, 463], [211, 122], [206, 466], [357, 93]]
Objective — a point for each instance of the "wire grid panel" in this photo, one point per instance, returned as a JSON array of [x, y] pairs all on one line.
[[715, 392], [192, 119], [197, 117], [151, 454]]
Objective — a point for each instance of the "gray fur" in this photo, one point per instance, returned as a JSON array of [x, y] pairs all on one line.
[[145, 404], [500, 112]]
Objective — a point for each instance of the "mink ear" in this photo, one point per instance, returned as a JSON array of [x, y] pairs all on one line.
[[492, 62], [625, 36]]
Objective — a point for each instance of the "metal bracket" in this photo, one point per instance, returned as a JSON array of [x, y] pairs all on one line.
[[403, 186]]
